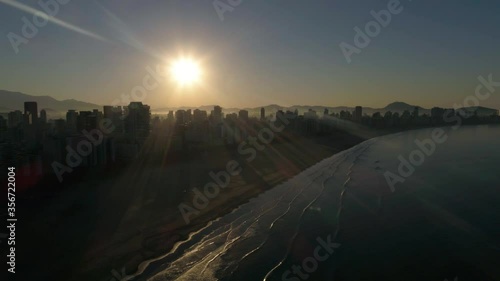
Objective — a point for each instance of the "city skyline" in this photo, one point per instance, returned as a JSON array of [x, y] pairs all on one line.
[[248, 62], [284, 106], [116, 133]]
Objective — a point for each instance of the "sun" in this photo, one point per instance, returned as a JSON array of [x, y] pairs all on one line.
[[185, 71]]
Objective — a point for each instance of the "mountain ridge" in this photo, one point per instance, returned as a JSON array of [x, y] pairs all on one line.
[[15, 101]]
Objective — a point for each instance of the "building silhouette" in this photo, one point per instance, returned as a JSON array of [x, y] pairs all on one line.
[[72, 120], [358, 113], [30, 112], [179, 116], [115, 114], [243, 115], [15, 118], [137, 122], [43, 116], [217, 114], [199, 116], [3, 124]]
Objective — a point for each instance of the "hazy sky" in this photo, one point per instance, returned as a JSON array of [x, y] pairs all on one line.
[[282, 52]]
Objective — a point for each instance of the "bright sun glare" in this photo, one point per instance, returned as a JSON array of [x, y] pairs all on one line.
[[185, 71]]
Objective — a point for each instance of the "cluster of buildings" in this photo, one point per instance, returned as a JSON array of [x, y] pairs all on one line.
[[414, 118], [202, 128], [28, 139]]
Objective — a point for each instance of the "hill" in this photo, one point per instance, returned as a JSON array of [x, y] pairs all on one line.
[[11, 101]]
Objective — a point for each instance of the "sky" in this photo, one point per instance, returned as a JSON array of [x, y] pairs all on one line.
[[260, 52]]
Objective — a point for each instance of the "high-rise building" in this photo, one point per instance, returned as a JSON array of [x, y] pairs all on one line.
[[115, 114], [15, 118], [232, 116], [59, 127], [72, 120], [243, 115], [280, 114], [180, 116], [108, 111], [217, 114], [290, 115], [262, 113], [137, 122], [30, 112], [199, 115], [83, 121], [3, 124], [43, 116], [358, 113]]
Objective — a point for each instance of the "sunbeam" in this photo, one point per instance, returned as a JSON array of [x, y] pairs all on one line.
[[33, 11]]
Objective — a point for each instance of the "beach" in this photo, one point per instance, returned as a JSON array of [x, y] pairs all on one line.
[[100, 228]]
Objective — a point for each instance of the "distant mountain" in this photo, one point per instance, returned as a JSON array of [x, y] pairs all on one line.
[[400, 107], [480, 111], [11, 101]]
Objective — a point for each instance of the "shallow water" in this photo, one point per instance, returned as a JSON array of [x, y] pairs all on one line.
[[442, 221]]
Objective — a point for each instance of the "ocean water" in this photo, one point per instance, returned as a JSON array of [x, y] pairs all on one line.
[[441, 222]]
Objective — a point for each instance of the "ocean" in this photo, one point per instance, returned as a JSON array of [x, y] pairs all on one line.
[[417, 205]]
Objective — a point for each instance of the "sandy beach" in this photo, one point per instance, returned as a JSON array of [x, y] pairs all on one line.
[[102, 228]]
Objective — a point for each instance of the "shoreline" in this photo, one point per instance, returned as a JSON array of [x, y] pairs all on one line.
[[97, 224], [116, 224], [162, 243], [148, 267], [145, 265]]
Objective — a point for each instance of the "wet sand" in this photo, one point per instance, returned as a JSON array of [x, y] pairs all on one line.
[[102, 226]]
